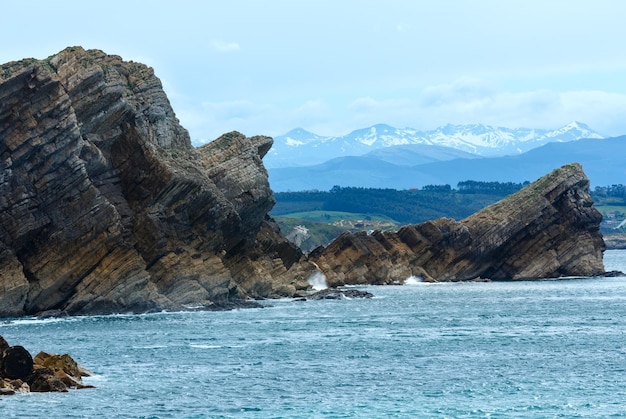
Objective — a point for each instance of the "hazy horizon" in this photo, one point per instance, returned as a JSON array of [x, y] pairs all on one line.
[[333, 67]]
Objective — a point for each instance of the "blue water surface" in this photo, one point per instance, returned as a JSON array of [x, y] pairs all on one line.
[[500, 350]]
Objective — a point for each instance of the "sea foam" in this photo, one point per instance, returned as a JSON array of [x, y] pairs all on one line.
[[318, 281], [413, 280]]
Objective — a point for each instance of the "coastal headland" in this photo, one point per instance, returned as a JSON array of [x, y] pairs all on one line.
[[106, 207]]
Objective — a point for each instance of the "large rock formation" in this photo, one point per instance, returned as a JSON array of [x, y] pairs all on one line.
[[548, 229], [105, 206]]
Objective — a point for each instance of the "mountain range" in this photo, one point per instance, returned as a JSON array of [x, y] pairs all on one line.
[[410, 166], [300, 148]]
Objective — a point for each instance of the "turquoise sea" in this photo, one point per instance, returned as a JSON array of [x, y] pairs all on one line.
[[532, 349]]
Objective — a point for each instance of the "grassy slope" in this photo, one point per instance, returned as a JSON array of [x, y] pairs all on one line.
[[325, 226]]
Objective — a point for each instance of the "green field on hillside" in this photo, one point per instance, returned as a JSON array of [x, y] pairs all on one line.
[[324, 226], [325, 215], [332, 216], [611, 209]]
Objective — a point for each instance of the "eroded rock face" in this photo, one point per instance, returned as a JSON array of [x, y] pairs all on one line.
[[106, 207], [548, 229]]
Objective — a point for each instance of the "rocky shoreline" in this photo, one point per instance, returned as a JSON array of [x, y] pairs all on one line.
[[20, 372], [107, 208], [549, 229]]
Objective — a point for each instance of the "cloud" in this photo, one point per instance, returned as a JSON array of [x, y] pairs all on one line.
[[367, 111], [223, 46], [464, 101], [209, 120], [463, 90], [469, 101]]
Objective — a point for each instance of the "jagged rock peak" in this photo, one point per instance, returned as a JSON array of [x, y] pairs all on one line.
[[105, 91], [548, 229], [106, 207]]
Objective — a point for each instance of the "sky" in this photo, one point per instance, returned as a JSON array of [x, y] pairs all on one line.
[[330, 67]]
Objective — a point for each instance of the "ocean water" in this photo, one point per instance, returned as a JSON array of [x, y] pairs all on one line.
[[530, 349]]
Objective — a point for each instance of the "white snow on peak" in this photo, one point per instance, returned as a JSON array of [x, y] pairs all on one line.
[[293, 142], [300, 147], [370, 138], [575, 130]]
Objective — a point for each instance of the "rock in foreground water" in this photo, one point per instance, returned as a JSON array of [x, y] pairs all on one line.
[[21, 373]]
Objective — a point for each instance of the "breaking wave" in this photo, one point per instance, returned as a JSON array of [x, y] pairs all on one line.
[[413, 280], [318, 281]]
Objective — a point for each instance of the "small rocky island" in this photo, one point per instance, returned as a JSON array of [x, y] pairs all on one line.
[[21, 373], [105, 206], [549, 229]]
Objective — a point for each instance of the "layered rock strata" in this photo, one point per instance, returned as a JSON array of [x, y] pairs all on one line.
[[548, 229], [105, 206]]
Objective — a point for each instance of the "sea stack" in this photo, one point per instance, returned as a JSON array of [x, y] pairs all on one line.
[[549, 229], [105, 206]]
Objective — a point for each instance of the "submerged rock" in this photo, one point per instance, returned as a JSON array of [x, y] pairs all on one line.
[[339, 294], [549, 229], [106, 207]]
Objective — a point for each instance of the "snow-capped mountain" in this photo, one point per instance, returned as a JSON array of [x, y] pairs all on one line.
[[302, 148], [299, 136], [602, 161]]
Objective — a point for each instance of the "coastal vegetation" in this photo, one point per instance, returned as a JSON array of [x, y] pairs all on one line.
[[327, 214], [403, 206]]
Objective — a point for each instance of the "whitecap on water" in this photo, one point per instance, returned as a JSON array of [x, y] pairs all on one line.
[[150, 347], [318, 281], [35, 320], [413, 280], [203, 346]]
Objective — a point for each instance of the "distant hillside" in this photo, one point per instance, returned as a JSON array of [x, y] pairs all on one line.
[[414, 154], [404, 207], [303, 148], [327, 214], [602, 161]]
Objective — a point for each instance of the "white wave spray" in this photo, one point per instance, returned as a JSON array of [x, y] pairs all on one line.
[[318, 281], [413, 280]]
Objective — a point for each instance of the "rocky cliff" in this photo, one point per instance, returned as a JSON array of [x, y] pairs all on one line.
[[548, 229], [105, 206]]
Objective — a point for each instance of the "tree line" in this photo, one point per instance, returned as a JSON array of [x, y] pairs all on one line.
[[404, 206], [495, 188], [613, 191], [415, 205]]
